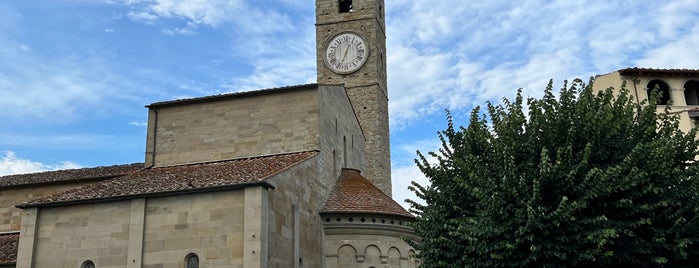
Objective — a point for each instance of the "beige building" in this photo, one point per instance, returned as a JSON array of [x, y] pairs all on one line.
[[296, 176], [677, 87]]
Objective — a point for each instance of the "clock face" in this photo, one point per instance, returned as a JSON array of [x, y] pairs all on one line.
[[346, 53]]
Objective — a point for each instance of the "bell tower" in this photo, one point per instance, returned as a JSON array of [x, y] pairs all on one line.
[[351, 50]]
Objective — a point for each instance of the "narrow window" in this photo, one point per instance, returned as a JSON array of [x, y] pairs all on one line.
[[335, 162], [662, 88], [345, 6], [344, 151], [191, 261], [88, 264], [297, 233], [691, 88]]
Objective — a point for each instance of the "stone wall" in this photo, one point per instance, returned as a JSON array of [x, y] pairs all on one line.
[[207, 224], [294, 225], [353, 241], [235, 127], [367, 87], [155, 232], [68, 236], [639, 92], [10, 216], [342, 140]]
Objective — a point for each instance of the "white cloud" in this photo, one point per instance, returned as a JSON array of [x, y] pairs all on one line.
[[419, 84], [142, 16], [277, 61], [33, 89], [404, 169], [51, 88], [205, 12], [11, 164], [211, 13], [678, 53], [402, 177], [452, 54], [138, 123]]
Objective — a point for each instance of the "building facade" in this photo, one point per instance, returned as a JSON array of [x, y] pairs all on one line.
[[296, 176], [678, 88]]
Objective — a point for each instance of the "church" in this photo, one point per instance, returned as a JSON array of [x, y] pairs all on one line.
[[295, 176]]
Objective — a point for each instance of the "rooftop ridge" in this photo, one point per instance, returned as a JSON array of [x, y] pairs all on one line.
[[230, 95], [68, 175], [657, 71]]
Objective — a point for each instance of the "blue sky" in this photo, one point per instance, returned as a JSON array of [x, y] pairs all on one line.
[[75, 74]]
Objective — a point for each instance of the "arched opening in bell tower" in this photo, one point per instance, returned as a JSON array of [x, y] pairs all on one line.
[[345, 6]]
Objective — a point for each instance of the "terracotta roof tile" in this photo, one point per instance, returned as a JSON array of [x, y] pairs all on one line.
[[68, 175], [8, 248], [355, 194], [182, 178]]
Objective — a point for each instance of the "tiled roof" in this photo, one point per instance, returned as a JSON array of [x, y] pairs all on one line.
[[68, 175], [355, 194], [8, 248], [231, 95], [177, 179], [659, 72]]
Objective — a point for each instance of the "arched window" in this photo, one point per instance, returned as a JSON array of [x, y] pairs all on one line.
[[191, 261], [662, 88], [691, 90], [88, 264]]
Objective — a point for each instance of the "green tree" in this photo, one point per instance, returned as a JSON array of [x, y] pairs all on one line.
[[581, 179]]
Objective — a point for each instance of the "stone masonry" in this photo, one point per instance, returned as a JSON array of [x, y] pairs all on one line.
[[367, 86]]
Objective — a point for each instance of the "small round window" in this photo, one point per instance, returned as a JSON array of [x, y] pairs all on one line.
[[88, 264]]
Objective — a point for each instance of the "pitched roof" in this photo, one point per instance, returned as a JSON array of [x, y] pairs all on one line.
[[8, 248], [68, 175], [353, 193], [236, 173], [658, 72]]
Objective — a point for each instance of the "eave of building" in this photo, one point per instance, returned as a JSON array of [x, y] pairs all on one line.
[[174, 180], [693, 113], [233, 95], [67, 176], [643, 72]]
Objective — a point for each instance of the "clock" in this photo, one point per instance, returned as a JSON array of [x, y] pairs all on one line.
[[346, 53]]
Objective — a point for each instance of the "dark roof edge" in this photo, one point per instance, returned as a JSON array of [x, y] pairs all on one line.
[[316, 152], [234, 159], [264, 184], [635, 71], [332, 212], [60, 182], [233, 95]]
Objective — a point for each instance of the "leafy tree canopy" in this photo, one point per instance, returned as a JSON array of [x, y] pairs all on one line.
[[581, 179]]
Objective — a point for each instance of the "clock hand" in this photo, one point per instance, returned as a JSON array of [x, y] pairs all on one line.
[[345, 56]]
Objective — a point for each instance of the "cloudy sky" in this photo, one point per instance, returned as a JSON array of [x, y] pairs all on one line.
[[75, 74]]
